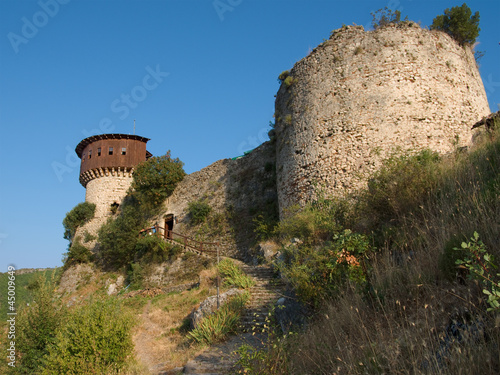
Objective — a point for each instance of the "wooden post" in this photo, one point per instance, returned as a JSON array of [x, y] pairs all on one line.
[[218, 279]]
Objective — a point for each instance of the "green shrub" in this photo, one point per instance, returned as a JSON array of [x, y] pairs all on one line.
[[289, 81], [320, 272], [77, 254], [283, 76], [95, 340], [136, 275], [81, 214], [399, 187], [87, 237], [316, 222], [217, 326], [198, 211], [153, 249], [480, 265], [233, 275], [118, 237], [155, 179], [37, 326], [459, 23]]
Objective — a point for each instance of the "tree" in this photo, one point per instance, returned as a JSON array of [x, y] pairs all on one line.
[[386, 16], [78, 216], [155, 179], [37, 325], [459, 23]]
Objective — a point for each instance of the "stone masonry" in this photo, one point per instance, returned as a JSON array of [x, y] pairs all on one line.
[[361, 96], [104, 190]]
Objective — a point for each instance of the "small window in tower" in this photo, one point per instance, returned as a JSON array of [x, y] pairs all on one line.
[[111, 150], [98, 151], [83, 158], [124, 151], [90, 154]]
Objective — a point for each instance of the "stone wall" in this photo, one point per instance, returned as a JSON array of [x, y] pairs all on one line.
[[237, 190], [103, 191], [360, 96]]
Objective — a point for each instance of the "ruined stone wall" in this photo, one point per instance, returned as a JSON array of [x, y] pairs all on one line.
[[360, 96], [237, 190]]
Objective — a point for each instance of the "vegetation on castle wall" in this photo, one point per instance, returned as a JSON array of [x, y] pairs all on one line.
[[77, 253], [79, 215], [155, 179], [405, 307], [119, 243], [198, 211], [283, 75], [386, 16], [459, 23]]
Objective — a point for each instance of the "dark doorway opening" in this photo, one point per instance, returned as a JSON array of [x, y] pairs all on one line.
[[169, 225]]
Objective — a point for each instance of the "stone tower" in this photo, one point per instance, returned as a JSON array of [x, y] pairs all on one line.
[[107, 164], [363, 95]]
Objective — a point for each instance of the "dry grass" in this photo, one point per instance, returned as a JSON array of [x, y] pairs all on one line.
[[415, 317], [159, 337]]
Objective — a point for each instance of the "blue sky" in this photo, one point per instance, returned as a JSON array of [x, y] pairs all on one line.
[[74, 68]]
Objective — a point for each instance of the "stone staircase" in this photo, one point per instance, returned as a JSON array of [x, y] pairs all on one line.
[[263, 296], [221, 358]]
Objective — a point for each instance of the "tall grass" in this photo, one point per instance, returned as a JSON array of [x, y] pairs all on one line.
[[217, 326], [233, 275], [418, 314]]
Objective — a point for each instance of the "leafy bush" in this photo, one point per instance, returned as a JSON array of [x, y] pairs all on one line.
[[152, 249], [399, 187], [155, 179], [318, 273], [233, 275], [81, 214], [289, 81], [459, 23], [217, 326], [316, 222], [198, 211], [37, 325], [96, 339], [480, 265], [283, 76], [77, 254], [118, 237]]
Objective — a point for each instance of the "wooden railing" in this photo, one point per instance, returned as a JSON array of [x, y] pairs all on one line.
[[187, 242]]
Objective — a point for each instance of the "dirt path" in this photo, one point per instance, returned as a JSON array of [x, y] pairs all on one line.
[[221, 358]]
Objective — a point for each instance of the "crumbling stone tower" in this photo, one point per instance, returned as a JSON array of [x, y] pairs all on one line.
[[361, 96], [108, 161]]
